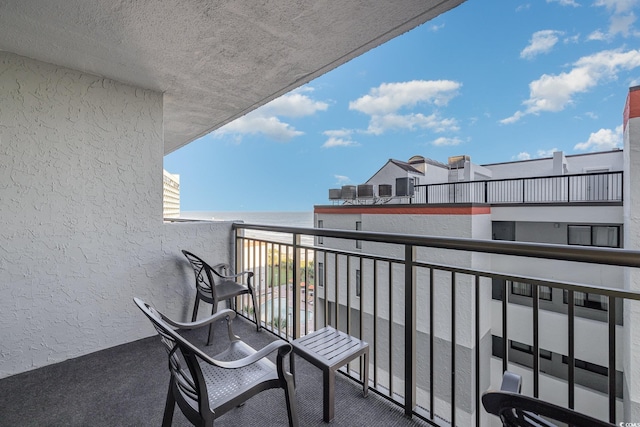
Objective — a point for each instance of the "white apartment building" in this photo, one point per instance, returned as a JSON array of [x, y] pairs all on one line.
[[586, 199], [170, 195]]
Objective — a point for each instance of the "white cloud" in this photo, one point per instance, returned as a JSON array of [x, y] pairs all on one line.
[[266, 119], [541, 42], [339, 138], [604, 139], [338, 133], [436, 28], [391, 97], [552, 93], [522, 156], [597, 35], [565, 2], [254, 124], [622, 24], [338, 142], [293, 105], [379, 124], [442, 141], [617, 6], [621, 20], [384, 102], [341, 179], [546, 153]]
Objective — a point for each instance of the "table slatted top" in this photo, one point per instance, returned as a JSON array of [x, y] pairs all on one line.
[[329, 347]]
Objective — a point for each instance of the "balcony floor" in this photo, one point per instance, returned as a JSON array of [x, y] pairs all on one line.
[[127, 385]]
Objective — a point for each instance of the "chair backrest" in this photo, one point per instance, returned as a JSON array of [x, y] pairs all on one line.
[[190, 382], [203, 272], [517, 410]]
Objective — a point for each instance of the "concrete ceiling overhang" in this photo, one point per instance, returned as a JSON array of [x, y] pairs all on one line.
[[214, 60]]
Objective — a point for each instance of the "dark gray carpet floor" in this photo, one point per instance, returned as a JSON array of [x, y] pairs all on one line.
[[126, 386]]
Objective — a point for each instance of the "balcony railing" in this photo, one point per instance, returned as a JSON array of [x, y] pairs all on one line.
[[592, 187], [441, 288]]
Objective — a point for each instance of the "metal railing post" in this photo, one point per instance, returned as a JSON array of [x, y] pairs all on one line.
[[296, 285], [409, 329]]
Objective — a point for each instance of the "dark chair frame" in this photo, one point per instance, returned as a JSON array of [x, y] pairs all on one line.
[[516, 410], [199, 390], [212, 286]]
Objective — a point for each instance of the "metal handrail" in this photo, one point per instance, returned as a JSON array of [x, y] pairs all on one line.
[[591, 255]]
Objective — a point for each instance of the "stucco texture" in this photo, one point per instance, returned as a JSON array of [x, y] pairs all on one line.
[[81, 228]]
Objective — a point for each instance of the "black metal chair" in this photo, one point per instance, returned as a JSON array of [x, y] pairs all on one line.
[[213, 286], [210, 386], [516, 410]]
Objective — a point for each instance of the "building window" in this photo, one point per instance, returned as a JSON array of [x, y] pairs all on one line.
[[358, 289], [321, 274], [587, 300], [320, 225], [515, 345], [358, 228], [607, 236], [588, 366], [526, 290]]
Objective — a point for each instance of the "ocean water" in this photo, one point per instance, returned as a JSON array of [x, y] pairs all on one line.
[[291, 219], [285, 218]]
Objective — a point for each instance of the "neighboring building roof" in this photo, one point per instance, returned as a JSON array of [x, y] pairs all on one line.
[[404, 165], [214, 61]]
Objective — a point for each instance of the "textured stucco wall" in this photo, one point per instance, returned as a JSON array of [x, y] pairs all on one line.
[[81, 228]]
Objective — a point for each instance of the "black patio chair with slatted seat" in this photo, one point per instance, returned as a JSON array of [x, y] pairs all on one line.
[[205, 387], [214, 284], [517, 410]]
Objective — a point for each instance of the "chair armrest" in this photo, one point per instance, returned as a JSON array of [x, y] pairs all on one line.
[[233, 276], [226, 313], [283, 347]]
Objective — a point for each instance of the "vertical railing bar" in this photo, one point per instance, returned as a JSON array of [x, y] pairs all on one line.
[[571, 309], [306, 290], [296, 286], [348, 302], [477, 344], [336, 289], [286, 295], [390, 283], [262, 279], [271, 282], [361, 315], [612, 359], [286, 281], [505, 355], [409, 330], [431, 342], [326, 289], [536, 342], [375, 323], [453, 348]]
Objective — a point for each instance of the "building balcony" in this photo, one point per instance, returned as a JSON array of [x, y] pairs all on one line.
[[461, 334]]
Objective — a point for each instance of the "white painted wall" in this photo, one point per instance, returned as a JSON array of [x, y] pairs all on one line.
[[81, 212], [576, 164]]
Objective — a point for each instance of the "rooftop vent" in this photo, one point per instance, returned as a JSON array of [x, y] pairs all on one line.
[[404, 187], [349, 192], [335, 194], [365, 191], [385, 190]]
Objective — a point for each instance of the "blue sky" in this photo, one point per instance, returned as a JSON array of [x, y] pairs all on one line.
[[497, 80]]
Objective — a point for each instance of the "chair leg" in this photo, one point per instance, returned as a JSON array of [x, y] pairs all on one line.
[[195, 308], [292, 406], [256, 312], [167, 419]]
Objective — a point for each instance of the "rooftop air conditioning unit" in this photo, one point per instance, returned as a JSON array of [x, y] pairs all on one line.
[[365, 191], [385, 190], [335, 194], [349, 192], [404, 187]]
